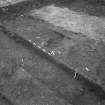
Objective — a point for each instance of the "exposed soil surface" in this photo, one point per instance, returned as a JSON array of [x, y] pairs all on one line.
[[41, 64]]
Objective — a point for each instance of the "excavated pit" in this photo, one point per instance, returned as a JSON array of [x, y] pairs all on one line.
[[36, 59]]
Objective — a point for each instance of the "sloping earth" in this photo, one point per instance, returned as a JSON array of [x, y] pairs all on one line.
[[28, 77], [38, 63]]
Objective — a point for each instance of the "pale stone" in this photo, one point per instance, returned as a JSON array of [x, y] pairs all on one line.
[[9, 2], [77, 22]]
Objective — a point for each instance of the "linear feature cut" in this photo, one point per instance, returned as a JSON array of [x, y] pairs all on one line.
[[91, 26]]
